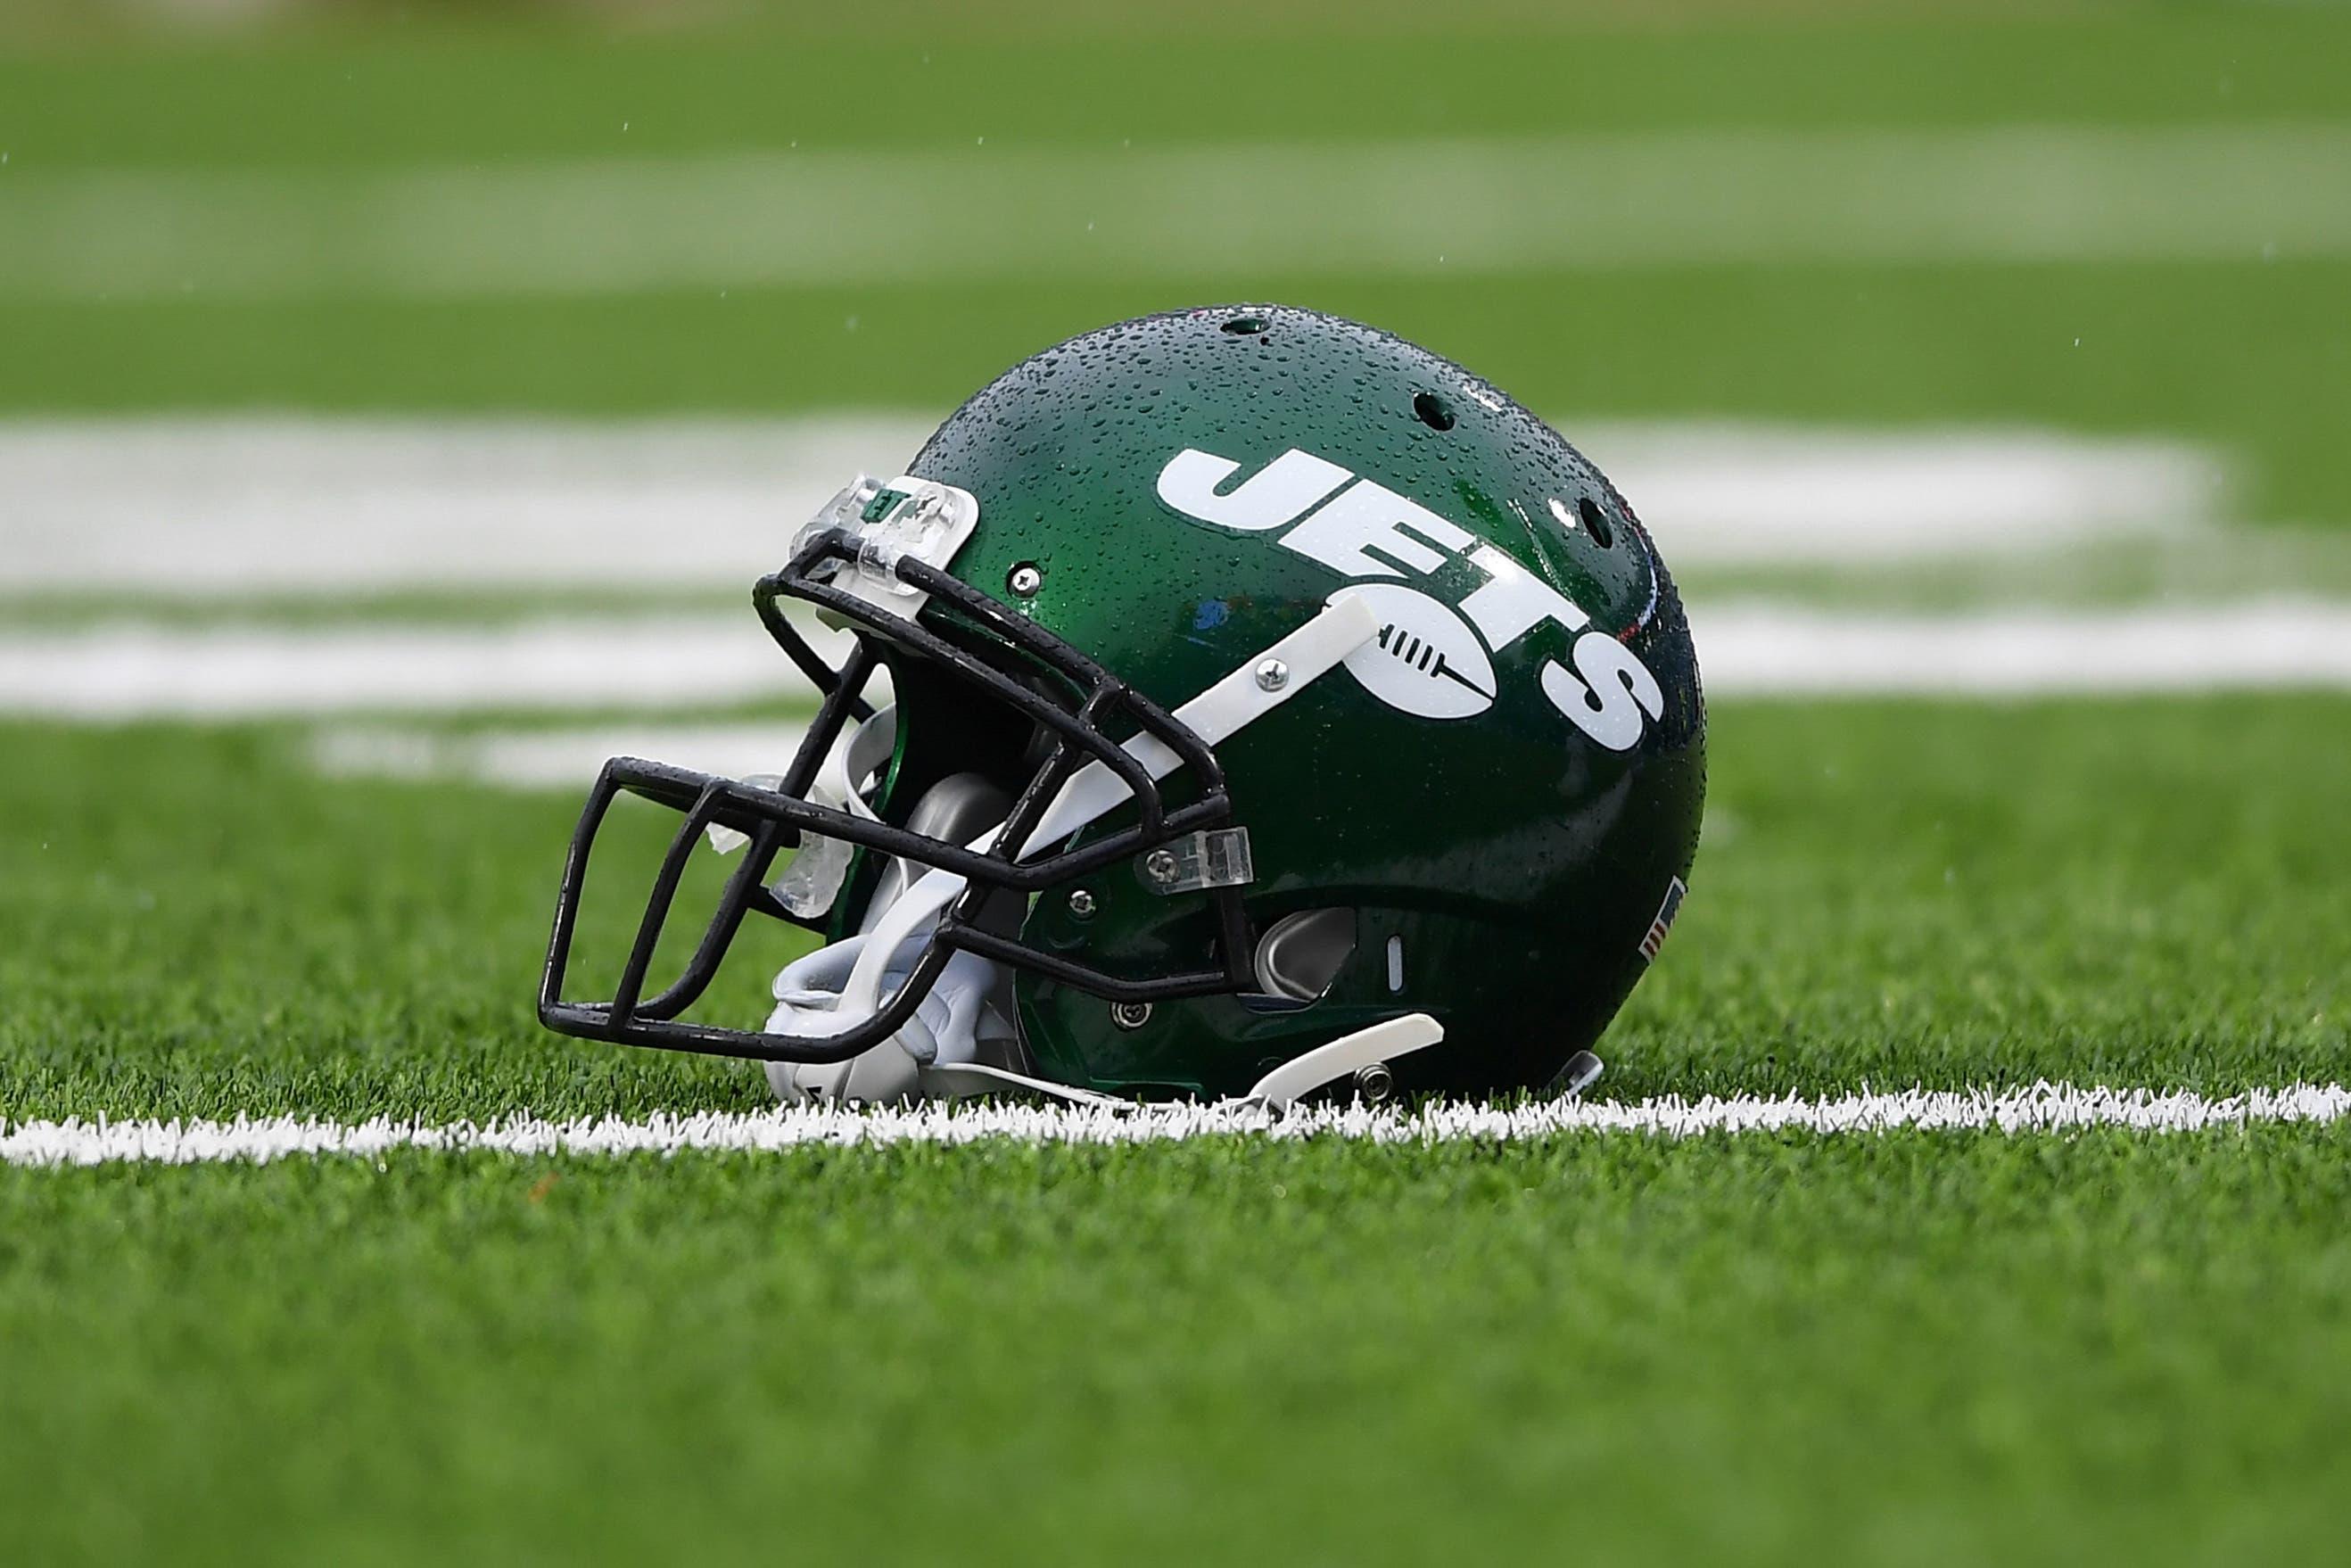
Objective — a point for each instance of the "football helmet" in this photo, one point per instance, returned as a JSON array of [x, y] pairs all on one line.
[[1271, 704]]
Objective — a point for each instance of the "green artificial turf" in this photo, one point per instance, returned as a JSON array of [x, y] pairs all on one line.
[[1905, 1349], [2250, 356], [2144, 893], [1914, 1348], [422, 93]]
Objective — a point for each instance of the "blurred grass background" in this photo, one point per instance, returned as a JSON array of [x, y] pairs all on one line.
[[1920, 1348], [2247, 352]]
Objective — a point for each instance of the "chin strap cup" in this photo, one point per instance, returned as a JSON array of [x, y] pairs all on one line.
[[945, 1031], [885, 1075]]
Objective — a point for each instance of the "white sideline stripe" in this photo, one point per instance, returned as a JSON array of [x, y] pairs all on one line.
[[554, 758], [1733, 493], [2043, 1108], [245, 505], [1774, 649], [118, 673], [2241, 191]]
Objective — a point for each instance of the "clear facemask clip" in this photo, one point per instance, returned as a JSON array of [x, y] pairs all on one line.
[[905, 519], [1213, 857]]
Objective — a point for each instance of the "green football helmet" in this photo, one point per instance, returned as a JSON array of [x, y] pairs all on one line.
[[1272, 706]]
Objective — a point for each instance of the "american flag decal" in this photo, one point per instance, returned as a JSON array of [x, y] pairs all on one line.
[[1664, 922]]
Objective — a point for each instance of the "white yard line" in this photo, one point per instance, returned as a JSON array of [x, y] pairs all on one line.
[[209, 505], [2043, 1108], [112, 672], [1728, 494], [243, 505], [2242, 192], [552, 759], [118, 671], [1777, 650]]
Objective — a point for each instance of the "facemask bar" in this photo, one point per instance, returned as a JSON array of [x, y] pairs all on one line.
[[773, 820]]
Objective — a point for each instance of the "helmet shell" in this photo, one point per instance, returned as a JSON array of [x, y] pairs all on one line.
[[1504, 862]]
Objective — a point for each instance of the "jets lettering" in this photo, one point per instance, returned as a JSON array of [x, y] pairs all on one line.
[[1362, 529]]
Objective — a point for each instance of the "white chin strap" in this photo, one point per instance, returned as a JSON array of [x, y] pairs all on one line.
[[942, 1050], [951, 1025]]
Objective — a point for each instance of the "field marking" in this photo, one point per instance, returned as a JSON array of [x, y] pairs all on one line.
[[552, 759], [2043, 1108], [116, 672], [193, 506], [2243, 191], [1737, 494], [120, 671], [243, 505], [1762, 649]]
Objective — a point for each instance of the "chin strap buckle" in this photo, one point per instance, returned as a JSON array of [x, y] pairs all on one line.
[[972, 1080], [1582, 1071], [1381, 1043]]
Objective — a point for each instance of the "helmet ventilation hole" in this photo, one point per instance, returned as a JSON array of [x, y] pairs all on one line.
[[1431, 411], [1244, 325], [1595, 523]]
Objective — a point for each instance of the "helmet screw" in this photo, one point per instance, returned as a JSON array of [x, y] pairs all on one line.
[[1025, 579], [1130, 1015], [1272, 674], [1159, 865], [1374, 1084], [1081, 904]]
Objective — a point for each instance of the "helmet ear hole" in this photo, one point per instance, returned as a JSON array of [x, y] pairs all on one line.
[[1300, 955], [1431, 411]]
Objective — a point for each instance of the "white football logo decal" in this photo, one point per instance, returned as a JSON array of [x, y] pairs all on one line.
[[1424, 659]]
